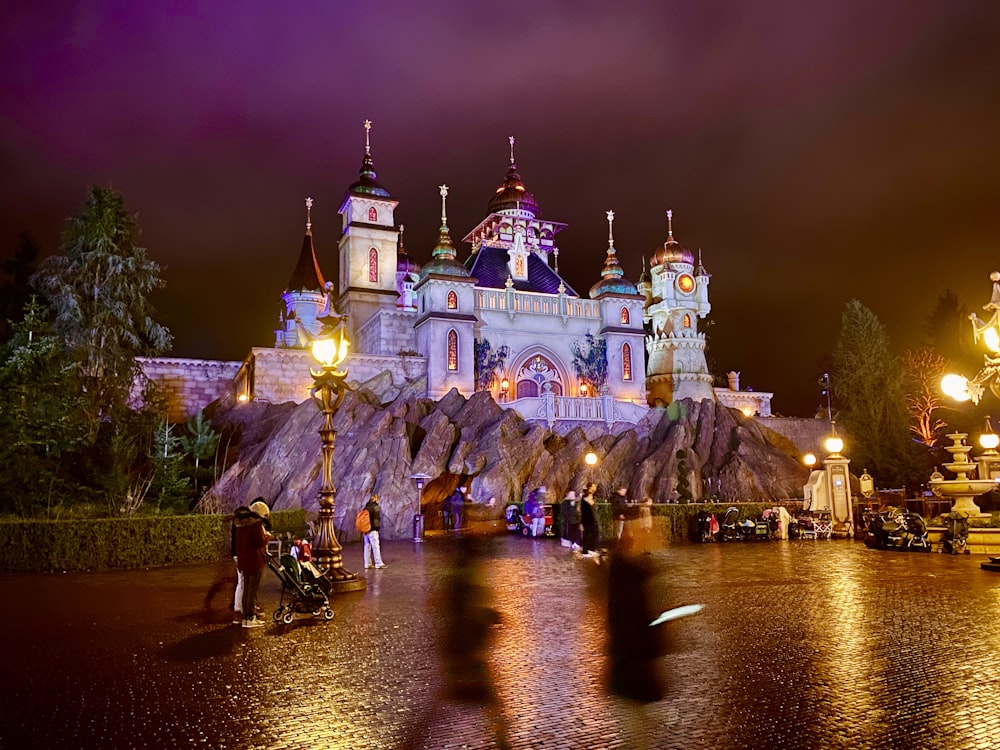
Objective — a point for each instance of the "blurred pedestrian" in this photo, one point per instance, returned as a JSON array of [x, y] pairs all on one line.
[[251, 547], [238, 594], [372, 547], [634, 645], [468, 623], [588, 522], [571, 520], [619, 506], [646, 515]]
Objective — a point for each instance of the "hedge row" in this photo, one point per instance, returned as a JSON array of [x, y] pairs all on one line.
[[134, 542]]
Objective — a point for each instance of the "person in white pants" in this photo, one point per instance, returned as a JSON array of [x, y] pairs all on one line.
[[373, 552]]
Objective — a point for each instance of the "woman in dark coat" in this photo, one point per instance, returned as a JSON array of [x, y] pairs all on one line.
[[588, 519]]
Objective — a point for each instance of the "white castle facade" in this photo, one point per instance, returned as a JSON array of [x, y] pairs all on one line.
[[446, 322]]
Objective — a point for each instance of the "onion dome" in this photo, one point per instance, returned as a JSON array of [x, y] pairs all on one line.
[[613, 279], [443, 261], [367, 183], [306, 276], [512, 194], [404, 263], [671, 251]]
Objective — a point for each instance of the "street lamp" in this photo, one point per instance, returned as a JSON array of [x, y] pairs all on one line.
[[328, 391], [583, 390], [504, 389], [810, 460], [834, 444], [590, 459], [418, 519], [964, 389]]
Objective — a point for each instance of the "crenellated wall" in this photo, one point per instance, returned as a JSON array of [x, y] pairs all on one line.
[[188, 384]]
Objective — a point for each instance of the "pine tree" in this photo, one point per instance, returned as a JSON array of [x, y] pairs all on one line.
[[98, 294]]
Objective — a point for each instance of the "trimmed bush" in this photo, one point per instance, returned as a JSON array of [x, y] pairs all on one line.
[[134, 542]]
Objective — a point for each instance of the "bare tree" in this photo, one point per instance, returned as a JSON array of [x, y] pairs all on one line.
[[923, 369]]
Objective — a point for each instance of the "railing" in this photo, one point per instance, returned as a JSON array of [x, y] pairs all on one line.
[[536, 303], [552, 408]]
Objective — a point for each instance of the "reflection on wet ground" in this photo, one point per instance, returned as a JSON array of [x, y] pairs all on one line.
[[806, 644]]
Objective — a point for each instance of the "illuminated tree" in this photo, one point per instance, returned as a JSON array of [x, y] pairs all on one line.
[[923, 369], [591, 364], [488, 362]]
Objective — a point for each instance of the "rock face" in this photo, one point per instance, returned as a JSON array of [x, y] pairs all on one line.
[[493, 451]]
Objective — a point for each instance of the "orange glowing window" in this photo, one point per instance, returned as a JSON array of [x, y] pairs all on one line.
[[372, 214], [626, 362], [452, 301], [519, 266], [624, 316], [373, 265], [687, 320], [452, 351]]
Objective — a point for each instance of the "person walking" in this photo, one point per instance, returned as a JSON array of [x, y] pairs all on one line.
[[238, 594], [251, 546], [572, 519], [619, 506], [373, 550], [588, 522]]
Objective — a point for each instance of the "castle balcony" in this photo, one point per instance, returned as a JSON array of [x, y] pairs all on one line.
[[536, 303], [550, 409]]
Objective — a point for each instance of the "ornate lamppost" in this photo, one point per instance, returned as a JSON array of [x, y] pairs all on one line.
[[328, 391], [961, 388]]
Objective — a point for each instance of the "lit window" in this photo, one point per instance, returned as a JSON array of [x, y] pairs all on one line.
[[372, 214], [626, 360], [453, 351], [373, 265], [687, 320], [624, 316], [452, 301], [519, 266]]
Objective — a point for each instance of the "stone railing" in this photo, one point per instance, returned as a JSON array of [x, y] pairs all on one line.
[[551, 409], [535, 303]]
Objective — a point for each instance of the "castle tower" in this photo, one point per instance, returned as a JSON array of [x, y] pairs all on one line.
[[304, 298], [676, 366], [368, 249], [445, 326], [621, 325], [407, 275]]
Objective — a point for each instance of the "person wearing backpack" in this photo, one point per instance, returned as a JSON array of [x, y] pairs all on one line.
[[373, 552]]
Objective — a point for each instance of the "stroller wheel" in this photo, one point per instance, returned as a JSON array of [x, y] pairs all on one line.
[[287, 618], [327, 614], [317, 612], [277, 614]]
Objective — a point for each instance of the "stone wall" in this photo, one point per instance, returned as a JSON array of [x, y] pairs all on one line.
[[189, 384], [804, 435]]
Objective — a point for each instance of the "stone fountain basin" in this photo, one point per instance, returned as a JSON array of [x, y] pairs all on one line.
[[959, 487]]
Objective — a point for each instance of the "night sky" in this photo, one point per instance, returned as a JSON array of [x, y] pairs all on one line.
[[814, 151]]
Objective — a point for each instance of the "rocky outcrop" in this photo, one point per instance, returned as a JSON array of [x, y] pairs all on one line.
[[493, 451]]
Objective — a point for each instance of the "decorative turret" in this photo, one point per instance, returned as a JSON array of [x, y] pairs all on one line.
[[613, 279], [367, 183], [304, 297], [645, 286], [407, 274], [671, 251], [443, 261], [512, 197]]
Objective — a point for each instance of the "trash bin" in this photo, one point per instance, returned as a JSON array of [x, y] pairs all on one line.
[[418, 527]]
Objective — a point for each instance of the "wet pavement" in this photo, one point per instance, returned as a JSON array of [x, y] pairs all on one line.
[[804, 644]]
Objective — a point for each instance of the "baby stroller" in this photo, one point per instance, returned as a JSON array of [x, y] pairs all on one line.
[[303, 588], [730, 526], [956, 535]]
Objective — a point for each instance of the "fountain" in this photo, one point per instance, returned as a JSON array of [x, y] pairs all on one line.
[[961, 489]]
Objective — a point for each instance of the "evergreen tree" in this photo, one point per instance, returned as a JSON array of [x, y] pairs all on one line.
[[199, 443], [868, 385], [98, 294]]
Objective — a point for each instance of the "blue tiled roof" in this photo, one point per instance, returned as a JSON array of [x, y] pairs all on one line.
[[489, 266]]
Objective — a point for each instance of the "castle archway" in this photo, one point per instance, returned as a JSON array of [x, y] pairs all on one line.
[[538, 373]]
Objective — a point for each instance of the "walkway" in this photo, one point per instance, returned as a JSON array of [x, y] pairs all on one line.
[[801, 644]]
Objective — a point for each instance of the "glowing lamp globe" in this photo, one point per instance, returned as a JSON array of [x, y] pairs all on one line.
[[810, 459], [834, 445], [989, 440], [590, 459], [992, 339], [956, 386]]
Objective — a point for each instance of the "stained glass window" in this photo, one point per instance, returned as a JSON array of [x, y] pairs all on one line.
[[372, 214], [452, 350], [452, 301], [624, 316], [687, 320], [626, 362], [373, 265]]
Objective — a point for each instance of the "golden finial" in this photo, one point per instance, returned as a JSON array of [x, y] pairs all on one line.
[[511, 139], [611, 234], [368, 145], [443, 189], [309, 205]]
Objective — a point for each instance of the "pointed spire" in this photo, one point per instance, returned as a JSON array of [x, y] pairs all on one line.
[[367, 183], [445, 248], [700, 269], [400, 242], [611, 233], [309, 205], [511, 139], [443, 189], [670, 225], [368, 143], [307, 275]]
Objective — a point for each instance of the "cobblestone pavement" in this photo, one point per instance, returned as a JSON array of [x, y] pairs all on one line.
[[801, 644]]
